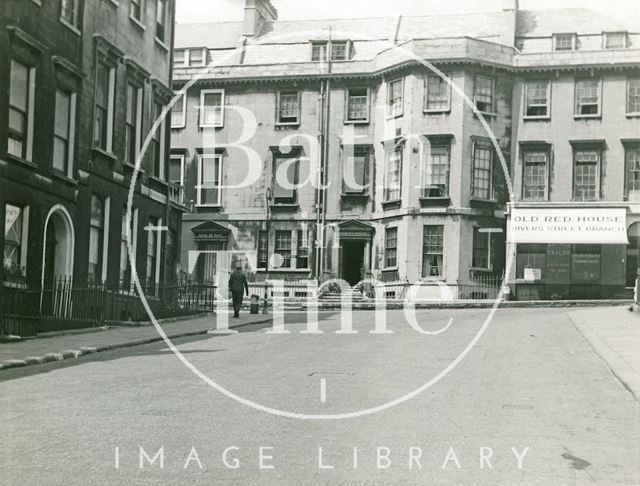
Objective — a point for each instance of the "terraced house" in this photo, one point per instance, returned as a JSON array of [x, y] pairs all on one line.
[[393, 133], [83, 82]]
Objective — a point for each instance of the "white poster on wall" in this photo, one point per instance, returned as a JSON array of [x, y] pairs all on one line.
[[568, 225]]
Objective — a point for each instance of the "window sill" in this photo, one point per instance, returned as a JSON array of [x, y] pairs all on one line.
[[586, 117], [388, 205], [389, 269], [179, 127], [435, 201], [211, 126], [104, 153], [481, 200], [158, 180], [20, 160], [64, 178], [431, 280], [285, 207], [285, 270], [132, 167], [354, 195], [486, 114], [71, 27], [287, 125], [480, 269], [138, 23], [356, 122], [162, 45], [632, 115], [436, 112], [536, 118], [13, 284]]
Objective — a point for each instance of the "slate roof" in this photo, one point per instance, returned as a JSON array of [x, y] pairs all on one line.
[[483, 25], [544, 23]]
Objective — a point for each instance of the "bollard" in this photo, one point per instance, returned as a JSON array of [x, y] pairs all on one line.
[[255, 304]]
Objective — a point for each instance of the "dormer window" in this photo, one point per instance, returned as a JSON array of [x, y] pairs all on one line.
[[197, 57], [178, 57], [340, 51], [615, 40], [564, 42], [319, 51]]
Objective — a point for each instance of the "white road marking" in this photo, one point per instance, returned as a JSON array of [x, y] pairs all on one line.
[[323, 390]]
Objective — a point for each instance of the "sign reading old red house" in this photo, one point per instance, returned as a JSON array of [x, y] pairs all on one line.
[[568, 225]]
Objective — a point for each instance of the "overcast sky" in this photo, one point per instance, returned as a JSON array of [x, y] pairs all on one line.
[[222, 10]]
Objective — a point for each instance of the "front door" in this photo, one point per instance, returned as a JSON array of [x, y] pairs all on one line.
[[352, 261]]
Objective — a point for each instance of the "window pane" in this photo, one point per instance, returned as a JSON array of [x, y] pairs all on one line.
[[12, 262], [483, 94], [482, 162], [196, 56], [393, 176], [438, 91], [633, 95], [633, 169], [319, 52], [357, 105], [432, 250], [391, 247], [175, 170], [436, 172], [535, 175], [212, 110], [356, 167], [288, 109], [283, 247], [18, 93], [282, 194], [586, 175], [63, 105]]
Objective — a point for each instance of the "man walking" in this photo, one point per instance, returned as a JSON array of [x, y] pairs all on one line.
[[237, 285]]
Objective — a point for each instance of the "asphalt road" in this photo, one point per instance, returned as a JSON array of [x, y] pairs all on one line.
[[530, 403]]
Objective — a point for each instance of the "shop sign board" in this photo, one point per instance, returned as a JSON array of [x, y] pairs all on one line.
[[568, 225]]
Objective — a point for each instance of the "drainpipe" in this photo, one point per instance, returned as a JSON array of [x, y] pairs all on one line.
[[326, 111]]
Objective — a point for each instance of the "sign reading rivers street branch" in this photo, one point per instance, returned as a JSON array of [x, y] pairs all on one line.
[[568, 225]]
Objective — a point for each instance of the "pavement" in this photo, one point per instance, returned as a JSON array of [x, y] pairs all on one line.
[[73, 344], [614, 333], [531, 395]]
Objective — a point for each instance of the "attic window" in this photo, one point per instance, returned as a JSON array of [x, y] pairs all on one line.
[[615, 40], [319, 51], [340, 51], [197, 57], [564, 42], [178, 57]]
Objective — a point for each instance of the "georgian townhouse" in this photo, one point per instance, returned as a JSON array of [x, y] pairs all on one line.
[[83, 82], [576, 122], [412, 163]]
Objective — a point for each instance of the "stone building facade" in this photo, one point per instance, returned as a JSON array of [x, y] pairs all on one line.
[[413, 124], [83, 84]]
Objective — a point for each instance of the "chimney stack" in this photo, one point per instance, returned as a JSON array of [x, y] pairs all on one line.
[[510, 13], [256, 12]]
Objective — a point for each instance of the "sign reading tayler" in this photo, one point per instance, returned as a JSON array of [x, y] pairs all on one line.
[[568, 225]]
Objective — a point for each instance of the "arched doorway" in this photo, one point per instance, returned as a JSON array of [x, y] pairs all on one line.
[[633, 254], [58, 249]]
